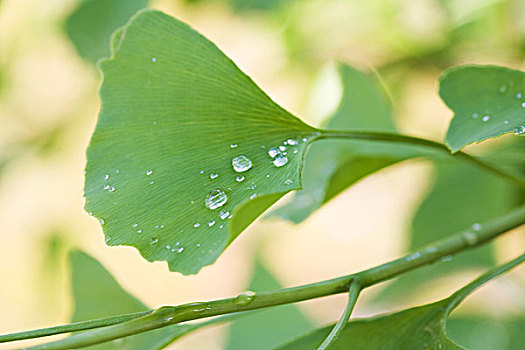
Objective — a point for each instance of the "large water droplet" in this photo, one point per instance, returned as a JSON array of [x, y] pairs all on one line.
[[241, 164], [280, 160], [244, 298], [519, 130], [216, 199]]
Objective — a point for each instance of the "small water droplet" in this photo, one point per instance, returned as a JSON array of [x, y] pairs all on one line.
[[201, 172], [253, 196], [477, 227], [305, 139], [282, 148], [151, 182], [295, 151], [475, 115], [241, 164], [292, 142], [506, 122], [523, 105], [101, 221], [470, 238], [244, 298], [216, 199], [239, 178], [214, 176], [139, 231], [519, 95], [196, 225], [211, 223], [168, 247], [221, 226], [90, 213], [519, 130], [280, 160], [153, 241], [107, 239], [111, 189], [117, 171], [198, 245], [135, 225], [233, 145], [154, 59], [106, 177], [154, 122], [180, 250], [267, 175], [156, 226], [446, 258], [486, 118], [149, 172], [272, 152], [502, 89], [288, 182], [224, 214]]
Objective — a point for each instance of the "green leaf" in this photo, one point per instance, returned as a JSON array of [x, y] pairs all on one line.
[[487, 101], [96, 294], [453, 204], [175, 114], [270, 327], [418, 328], [90, 26], [331, 166]]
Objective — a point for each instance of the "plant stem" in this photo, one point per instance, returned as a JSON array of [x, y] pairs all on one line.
[[169, 315], [397, 138], [353, 294], [72, 327]]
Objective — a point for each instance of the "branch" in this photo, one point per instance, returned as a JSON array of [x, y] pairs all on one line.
[[397, 138], [169, 315]]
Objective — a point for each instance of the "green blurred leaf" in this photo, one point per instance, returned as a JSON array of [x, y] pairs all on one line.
[[97, 294], [331, 166], [418, 328], [261, 5], [487, 101], [175, 113], [90, 26], [461, 196], [267, 328]]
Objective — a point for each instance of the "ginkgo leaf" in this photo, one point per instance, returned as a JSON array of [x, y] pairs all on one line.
[[487, 101], [184, 141]]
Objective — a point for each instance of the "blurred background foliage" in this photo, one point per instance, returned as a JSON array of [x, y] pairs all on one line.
[[48, 109]]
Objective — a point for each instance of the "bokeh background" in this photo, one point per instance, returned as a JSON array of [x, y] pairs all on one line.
[[49, 107]]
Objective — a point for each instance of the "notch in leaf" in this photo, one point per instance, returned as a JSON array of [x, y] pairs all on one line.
[[188, 151]]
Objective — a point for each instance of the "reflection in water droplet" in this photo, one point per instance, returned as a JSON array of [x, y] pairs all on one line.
[[280, 160], [216, 199], [272, 152], [239, 178], [244, 298], [519, 130], [241, 164], [224, 214], [214, 176]]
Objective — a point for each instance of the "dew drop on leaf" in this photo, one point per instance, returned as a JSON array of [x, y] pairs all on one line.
[[216, 199], [486, 118], [224, 214], [214, 176], [149, 172], [292, 142], [239, 178], [244, 298], [274, 151], [280, 160], [241, 164], [519, 130]]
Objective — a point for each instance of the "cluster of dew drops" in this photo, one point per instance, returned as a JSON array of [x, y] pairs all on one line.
[[240, 164], [504, 89]]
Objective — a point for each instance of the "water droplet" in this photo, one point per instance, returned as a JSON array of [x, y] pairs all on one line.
[[295, 151], [154, 59], [292, 142], [196, 225], [282, 148], [117, 171], [90, 213], [216, 199], [214, 176], [233, 145], [470, 238], [106, 177], [135, 225], [244, 298], [503, 89], [198, 245], [519, 95], [288, 182], [241, 164], [180, 250], [486, 118], [106, 187], [161, 226], [107, 239], [253, 196], [201, 172], [239, 178], [211, 223], [446, 258], [149, 172], [156, 226], [154, 240], [272, 152], [506, 122], [154, 122], [267, 175], [476, 227], [519, 130], [168, 247], [475, 115], [101, 221], [280, 160], [151, 182], [305, 139], [221, 226], [139, 231], [224, 214]]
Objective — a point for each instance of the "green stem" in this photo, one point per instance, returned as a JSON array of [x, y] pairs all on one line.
[[169, 315], [353, 294], [391, 137], [72, 327]]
